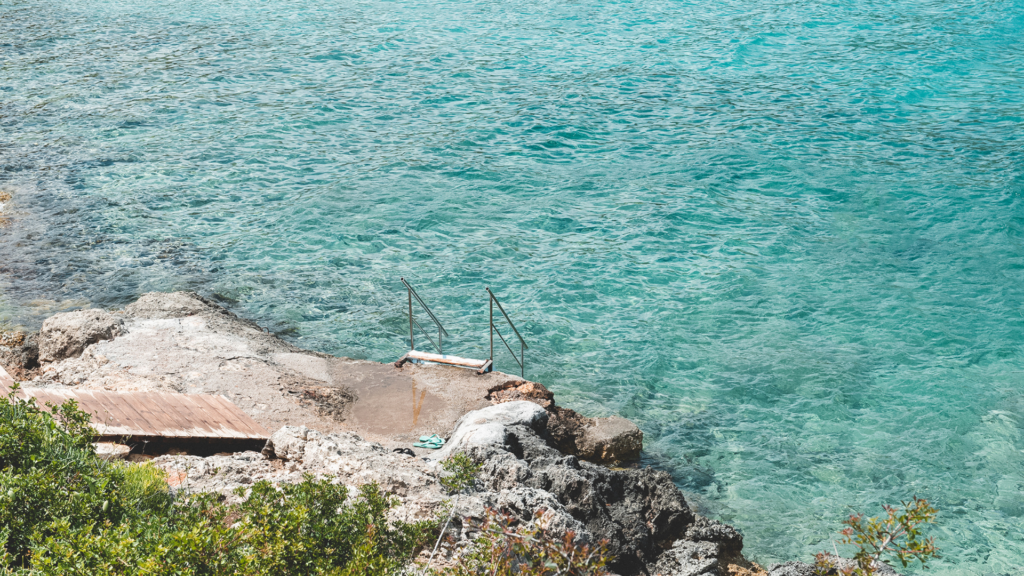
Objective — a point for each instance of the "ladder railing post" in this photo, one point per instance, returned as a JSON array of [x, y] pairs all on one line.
[[412, 342], [413, 324], [492, 300], [522, 359]]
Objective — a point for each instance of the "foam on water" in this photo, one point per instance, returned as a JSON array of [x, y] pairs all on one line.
[[785, 238]]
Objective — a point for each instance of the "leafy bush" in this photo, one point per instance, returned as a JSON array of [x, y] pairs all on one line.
[[50, 477], [66, 511], [898, 535], [460, 473], [306, 528], [63, 510]]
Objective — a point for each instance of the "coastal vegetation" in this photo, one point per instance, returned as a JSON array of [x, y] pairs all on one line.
[[64, 510], [897, 536]]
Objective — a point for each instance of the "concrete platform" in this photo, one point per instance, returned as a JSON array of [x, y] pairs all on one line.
[[180, 343]]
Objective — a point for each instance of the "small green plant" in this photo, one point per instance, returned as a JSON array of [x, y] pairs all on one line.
[[49, 472], [509, 548], [461, 473], [63, 510], [898, 535]]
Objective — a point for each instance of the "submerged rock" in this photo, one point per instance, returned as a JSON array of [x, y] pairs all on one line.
[[612, 439], [171, 305]]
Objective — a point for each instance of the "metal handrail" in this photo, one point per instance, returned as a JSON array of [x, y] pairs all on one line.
[[412, 322], [522, 343]]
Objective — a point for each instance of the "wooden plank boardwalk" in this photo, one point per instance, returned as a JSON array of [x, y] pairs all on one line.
[[164, 418]]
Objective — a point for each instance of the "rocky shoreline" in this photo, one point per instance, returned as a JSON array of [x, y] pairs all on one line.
[[348, 420]]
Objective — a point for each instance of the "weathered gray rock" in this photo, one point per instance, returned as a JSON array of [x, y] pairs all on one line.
[[688, 558], [612, 439], [639, 512], [528, 503], [707, 530], [792, 568], [486, 431], [112, 451], [19, 353], [66, 335], [345, 455], [294, 451]]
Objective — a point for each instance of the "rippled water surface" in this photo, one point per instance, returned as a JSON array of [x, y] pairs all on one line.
[[787, 238]]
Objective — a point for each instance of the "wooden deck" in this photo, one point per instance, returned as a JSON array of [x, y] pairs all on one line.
[[160, 420]]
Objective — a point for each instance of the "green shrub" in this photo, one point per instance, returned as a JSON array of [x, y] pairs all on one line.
[[49, 473], [460, 473], [65, 511], [897, 536]]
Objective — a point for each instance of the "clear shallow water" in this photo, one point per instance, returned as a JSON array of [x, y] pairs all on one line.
[[786, 238]]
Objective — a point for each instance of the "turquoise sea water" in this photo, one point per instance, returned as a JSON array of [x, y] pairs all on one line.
[[786, 238]]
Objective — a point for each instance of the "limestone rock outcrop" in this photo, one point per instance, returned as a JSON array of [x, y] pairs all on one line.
[[514, 390], [487, 430], [19, 353], [612, 439], [640, 513], [603, 440], [112, 451], [66, 335], [792, 568], [795, 568]]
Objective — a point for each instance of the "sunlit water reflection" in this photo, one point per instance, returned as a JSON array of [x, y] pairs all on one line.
[[786, 239]]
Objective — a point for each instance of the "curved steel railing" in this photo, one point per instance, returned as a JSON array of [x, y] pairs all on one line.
[[521, 360], [412, 322]]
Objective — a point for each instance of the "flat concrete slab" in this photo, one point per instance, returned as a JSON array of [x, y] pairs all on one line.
[[395, 406]]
